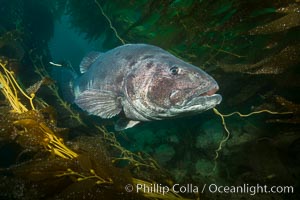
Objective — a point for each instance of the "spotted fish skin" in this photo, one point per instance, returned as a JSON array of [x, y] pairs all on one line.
[[141, 82]]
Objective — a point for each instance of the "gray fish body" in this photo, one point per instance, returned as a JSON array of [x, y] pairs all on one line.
[[144, 83]]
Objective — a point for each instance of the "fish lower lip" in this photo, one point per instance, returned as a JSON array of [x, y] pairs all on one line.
[[203, 99]]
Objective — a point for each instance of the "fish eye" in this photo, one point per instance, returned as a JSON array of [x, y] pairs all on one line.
[[174, 70]]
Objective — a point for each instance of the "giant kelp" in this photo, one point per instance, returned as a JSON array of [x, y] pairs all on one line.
[[192, 29], [48, 168]]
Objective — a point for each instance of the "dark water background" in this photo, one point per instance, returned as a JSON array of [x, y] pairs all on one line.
[[250, 47]]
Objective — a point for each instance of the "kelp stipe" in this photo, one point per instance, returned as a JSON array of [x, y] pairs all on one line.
[[227, 136]]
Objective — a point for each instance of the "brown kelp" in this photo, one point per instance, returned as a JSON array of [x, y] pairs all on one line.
[[85, 167]]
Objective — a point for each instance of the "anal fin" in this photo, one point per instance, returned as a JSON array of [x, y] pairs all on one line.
[[124, 123]]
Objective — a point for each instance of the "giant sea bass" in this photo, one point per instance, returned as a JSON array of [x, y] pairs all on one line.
[[138, 82]]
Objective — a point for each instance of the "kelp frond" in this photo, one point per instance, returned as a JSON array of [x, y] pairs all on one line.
[[11, 89], [30, 118]]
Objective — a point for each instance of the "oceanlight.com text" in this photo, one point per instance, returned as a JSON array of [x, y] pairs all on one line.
[[250, 189]]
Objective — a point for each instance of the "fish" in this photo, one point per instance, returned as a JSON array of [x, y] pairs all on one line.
[[138, 83]]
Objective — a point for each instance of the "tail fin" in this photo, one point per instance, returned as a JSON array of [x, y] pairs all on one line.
[[64, 78]]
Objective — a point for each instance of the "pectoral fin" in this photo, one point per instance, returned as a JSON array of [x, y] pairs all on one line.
[[125, 123], [105, 104]]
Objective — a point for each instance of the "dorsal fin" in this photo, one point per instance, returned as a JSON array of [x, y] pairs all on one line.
[[88, 60]]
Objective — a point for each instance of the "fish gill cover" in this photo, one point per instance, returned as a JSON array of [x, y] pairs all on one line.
[[50, 149]]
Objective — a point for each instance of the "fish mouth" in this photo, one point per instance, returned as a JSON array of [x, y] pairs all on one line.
[[205, 93], [210, 92], [203, 100], [198, 100], [198, 104]]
